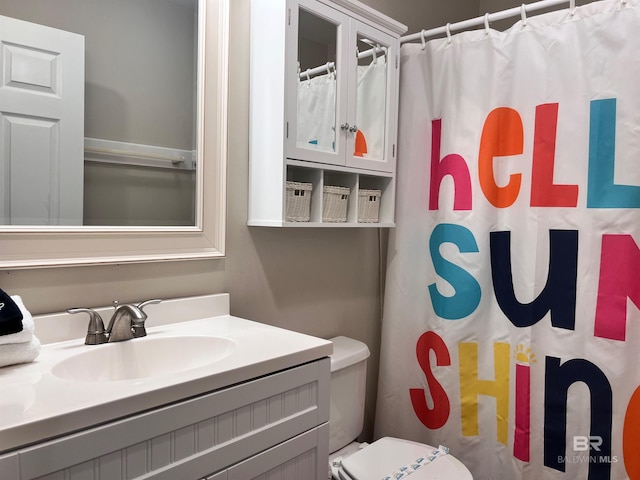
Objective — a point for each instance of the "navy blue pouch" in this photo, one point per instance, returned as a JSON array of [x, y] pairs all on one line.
[[10, 315]]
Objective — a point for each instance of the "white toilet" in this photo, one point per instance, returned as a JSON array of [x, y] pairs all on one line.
[[387, 458]]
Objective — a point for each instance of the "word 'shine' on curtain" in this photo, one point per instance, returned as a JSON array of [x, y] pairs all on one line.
[[511, 329]]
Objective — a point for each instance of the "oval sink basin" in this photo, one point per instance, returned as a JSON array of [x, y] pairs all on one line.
[[143, 358]]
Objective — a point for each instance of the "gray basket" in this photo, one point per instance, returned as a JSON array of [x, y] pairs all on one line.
[[298, 201], [335, 201], [369, 206]]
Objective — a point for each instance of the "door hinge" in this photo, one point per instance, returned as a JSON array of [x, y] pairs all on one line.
[[394, 151], [287, 130], [396, 61], [289, 17]]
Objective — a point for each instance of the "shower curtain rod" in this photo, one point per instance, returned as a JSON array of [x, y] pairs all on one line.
[[329, 66], [487, 18]]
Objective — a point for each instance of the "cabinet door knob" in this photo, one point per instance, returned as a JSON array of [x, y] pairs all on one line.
[[353, 129], [344, 126]]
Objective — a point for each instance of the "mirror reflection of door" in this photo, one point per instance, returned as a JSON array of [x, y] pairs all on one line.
[[317, 41], [141, 96], [41, 125], [370, 98]]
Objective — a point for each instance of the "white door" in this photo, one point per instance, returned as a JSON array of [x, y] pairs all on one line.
[[41, 124]]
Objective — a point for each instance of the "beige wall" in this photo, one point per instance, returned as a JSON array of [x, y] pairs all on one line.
[[324, 282], [425, 14]]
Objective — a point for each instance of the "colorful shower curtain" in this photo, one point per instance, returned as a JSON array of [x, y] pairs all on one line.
[[511, 328]]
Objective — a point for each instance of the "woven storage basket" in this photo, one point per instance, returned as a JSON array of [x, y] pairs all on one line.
[[368, 205], [298, 201], [334, 203]]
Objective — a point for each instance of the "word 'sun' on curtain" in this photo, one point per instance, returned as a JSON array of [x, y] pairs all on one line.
[[511, 329]]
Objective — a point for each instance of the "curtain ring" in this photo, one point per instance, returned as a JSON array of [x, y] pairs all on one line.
[[572, 7], [308, 75], [448, 28], [424, 42], [523, 14], [486, 23]]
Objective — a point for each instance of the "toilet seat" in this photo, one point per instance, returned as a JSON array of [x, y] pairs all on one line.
[[389, 455]]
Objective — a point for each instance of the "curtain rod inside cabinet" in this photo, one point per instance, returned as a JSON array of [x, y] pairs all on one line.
[[330, 67]]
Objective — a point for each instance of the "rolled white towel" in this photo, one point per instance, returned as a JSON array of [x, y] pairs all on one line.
[[28, 327], [14, 353]]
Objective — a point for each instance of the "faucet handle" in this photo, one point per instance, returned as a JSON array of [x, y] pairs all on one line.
[[95, 332], [148, 302], [138, 325]]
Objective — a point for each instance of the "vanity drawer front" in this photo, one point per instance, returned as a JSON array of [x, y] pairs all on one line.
[[9, 466], [302, 457], [218, 476], [193, 438]]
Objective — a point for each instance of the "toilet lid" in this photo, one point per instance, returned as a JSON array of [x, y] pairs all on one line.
[[387, 456]]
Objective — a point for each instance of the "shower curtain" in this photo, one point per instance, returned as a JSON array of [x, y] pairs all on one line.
[[317, 112], [371, 106], [511, 326]]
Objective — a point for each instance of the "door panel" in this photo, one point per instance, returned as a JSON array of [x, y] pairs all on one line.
[[371, 98], [317, 72], [41, 124]]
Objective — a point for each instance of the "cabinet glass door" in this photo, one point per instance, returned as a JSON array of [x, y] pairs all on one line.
[[315, 107], [372, 86]]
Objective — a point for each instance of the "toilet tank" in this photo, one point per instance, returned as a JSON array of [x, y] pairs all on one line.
[[348, 384]]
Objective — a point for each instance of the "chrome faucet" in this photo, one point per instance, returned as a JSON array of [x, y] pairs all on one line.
[[127, 322], [128, 319], [121, 324]]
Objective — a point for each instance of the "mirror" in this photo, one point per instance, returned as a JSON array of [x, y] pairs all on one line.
[[318, 77], [123, 75], [371, 98], [317, 74], [29, 246]]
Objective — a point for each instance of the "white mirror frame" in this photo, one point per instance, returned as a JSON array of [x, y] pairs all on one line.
[[33, 247]]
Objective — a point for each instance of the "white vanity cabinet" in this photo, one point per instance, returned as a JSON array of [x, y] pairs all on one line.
[[324, 81], [275, 425]]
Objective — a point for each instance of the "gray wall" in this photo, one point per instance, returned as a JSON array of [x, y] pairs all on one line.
[[139, 64], [425, 14], [138, 196], [323, 282]]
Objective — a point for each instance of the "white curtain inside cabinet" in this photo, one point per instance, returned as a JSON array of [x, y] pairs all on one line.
[[317, 105], [316, 110], [371, 108]]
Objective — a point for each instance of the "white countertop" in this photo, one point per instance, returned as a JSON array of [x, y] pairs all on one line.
[[36, 405]]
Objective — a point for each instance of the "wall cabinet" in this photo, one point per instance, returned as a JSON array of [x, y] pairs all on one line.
[[273, 426], [324, 81]]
